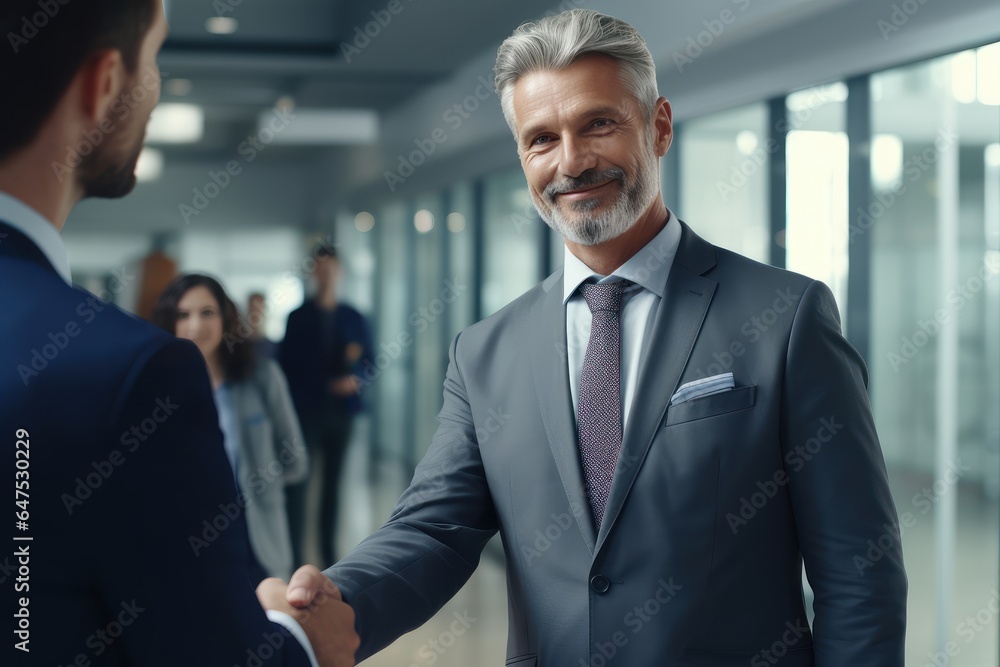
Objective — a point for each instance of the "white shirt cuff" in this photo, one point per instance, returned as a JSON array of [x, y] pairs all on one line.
[[293, 627]]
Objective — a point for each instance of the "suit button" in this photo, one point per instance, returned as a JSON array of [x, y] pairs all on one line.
[[600, 584]]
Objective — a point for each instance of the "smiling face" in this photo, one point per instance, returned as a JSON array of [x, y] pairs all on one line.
[[199, 319], [589, 152]]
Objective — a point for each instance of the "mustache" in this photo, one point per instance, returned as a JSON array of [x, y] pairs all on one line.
[[586, 179]]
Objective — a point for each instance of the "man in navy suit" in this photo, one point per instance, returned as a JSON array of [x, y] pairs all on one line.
[[129, 542]]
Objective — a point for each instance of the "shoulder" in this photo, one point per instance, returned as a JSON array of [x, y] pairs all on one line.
[[504, 325]]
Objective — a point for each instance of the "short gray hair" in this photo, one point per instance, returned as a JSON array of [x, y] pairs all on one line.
[[556, 42]]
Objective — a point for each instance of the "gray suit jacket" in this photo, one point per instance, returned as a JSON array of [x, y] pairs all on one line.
[[273, 454], [715, 505]]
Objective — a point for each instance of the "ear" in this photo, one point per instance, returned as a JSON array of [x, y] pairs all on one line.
[[663, 126], [101, 81]]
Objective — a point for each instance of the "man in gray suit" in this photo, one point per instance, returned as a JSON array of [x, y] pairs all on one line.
[[662, 431]]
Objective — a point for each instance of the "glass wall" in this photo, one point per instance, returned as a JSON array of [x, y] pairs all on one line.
[[393, 375], [724, 161], [933, 226], [511, 233], [816, 229], [427, 319]]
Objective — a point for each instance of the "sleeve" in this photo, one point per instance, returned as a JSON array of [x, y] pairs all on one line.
[[287, 431], [174, 546], [407, 570], [840, 494]]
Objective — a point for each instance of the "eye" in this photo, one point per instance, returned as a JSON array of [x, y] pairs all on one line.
[[541, 140], [182, 316], [601, 123], [208, 312]]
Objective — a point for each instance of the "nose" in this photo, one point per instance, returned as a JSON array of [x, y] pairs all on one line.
[[577, 157]]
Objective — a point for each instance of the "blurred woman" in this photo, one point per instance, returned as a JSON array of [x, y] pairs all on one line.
[[263, 438]]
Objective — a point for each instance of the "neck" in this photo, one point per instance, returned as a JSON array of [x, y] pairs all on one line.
[[604, 258], [31, 178], [327, 299]]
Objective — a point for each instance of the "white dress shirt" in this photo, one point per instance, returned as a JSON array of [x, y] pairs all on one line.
[[648, 270], [44, 234]]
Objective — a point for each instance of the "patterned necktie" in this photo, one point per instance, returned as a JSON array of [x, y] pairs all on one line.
[[599, 416]]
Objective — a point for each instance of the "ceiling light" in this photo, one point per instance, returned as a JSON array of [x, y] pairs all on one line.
[[222, 25], [423, 220], [456, 222], [320, 126], [364, 221], [176, 124]]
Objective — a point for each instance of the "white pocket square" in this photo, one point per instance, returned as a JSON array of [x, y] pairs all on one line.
[[703, 387]]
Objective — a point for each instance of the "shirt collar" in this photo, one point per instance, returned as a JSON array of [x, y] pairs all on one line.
[[39, 231], [647, 268]]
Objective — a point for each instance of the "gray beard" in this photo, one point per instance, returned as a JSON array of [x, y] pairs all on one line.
[[600, 226]]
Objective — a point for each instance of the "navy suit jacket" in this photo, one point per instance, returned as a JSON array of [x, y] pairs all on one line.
[[309, 364], [138, 551]]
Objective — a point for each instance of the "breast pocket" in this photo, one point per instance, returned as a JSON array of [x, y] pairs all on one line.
[[713, 405]]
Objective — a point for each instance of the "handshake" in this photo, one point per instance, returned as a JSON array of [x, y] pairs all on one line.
[[316, 604]]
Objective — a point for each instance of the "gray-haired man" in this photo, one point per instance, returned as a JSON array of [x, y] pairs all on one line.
[[678, 504]]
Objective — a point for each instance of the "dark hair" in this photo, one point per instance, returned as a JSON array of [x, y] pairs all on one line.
[[238, 358], [47, 41]]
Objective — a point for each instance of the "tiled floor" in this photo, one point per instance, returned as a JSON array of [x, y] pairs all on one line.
[[445, 643]]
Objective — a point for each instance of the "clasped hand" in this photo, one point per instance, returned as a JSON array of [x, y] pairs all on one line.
[[316, 604]]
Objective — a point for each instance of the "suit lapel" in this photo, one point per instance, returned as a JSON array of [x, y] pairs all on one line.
[[678, 320], [551, 372]]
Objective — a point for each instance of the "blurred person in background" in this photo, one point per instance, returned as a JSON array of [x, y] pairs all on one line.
[[325, 347], [110, 430], [257, 321], [263, 439]]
